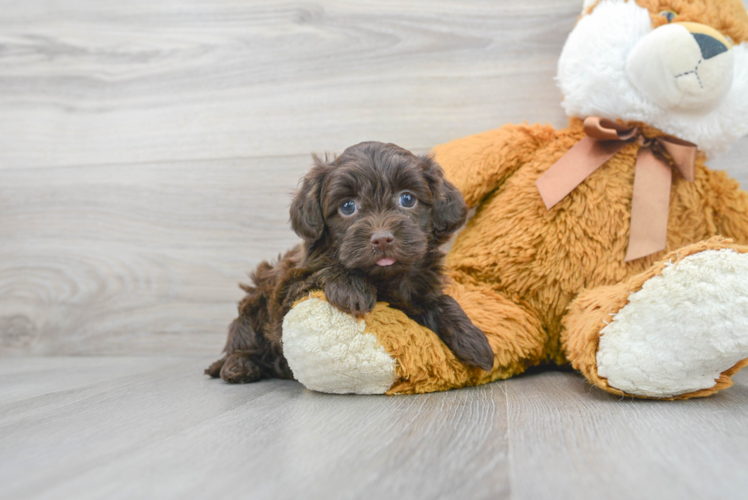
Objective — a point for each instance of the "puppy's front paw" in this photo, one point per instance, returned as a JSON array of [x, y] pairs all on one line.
[[355, 297], [468, 343], [466, 340]]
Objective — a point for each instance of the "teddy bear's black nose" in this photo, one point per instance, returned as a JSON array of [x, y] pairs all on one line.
[[709, 46]]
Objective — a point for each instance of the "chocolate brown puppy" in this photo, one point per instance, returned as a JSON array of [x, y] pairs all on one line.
[[372, 221]]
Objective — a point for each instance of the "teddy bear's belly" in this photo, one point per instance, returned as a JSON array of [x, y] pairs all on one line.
[[544, 258]]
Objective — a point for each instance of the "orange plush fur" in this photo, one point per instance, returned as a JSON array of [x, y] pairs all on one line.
[[540, 283]]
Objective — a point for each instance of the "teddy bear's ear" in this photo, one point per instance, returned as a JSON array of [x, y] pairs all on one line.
[[448, 211], [306, 212], [588, 4]]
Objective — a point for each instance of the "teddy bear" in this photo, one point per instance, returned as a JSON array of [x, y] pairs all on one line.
[[607, 245]]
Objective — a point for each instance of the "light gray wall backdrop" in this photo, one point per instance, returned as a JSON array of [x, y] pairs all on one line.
[[148, 149]]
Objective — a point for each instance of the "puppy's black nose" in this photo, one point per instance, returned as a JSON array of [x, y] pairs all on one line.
[[382, 240]]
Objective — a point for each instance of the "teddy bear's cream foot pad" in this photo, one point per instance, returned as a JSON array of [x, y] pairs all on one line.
[[328, 351], [681, 330]]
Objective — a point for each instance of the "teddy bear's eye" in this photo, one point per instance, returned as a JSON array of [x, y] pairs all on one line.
[[669, 15]]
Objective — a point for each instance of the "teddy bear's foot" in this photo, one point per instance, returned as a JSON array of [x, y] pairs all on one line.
[[679, 330], [329, 351]]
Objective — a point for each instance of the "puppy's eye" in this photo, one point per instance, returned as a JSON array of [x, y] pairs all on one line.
[[407, 200], [348, 207], [669, 15]]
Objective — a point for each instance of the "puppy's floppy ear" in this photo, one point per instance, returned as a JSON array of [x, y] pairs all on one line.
[[449, 210], [306, 211]]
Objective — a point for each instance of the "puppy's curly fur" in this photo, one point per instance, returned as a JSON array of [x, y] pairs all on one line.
[[372, 221]]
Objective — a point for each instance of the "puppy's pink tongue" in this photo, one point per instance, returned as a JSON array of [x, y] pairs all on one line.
[[385, 262]]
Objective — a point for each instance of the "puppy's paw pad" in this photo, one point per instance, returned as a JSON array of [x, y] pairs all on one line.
[[328, 351]]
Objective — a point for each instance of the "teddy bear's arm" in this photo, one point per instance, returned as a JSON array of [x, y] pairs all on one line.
[[480, 163]]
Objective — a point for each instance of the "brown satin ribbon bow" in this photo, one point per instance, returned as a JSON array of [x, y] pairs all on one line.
[[653, 177]]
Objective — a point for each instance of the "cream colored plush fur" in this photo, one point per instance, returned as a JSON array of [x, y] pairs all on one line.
[[329, 351], [681, 330], [593, 79]]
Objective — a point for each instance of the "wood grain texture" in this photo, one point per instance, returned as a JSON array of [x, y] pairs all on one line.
[[136, 259], [170, 432], [569, 440], [148, 149], [149, 81], [157, 428]]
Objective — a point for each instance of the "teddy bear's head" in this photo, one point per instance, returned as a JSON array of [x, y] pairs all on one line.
[[678, 65]]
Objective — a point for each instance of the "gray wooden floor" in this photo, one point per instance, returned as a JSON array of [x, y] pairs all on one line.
[[147, 154], [156, 428]]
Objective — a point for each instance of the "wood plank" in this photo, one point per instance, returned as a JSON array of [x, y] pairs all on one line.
[[148, 81], [170, 432], [27, 378], [57, 436], [138, 259], [570, 441], [174, 433]]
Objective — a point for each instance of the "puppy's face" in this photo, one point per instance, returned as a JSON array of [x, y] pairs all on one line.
[[377, 208]]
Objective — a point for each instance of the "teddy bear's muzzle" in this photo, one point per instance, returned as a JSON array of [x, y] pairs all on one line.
[[682, 67]]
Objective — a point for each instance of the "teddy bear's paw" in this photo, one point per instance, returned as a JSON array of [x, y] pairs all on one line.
[[328, 351], [681, 330]]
